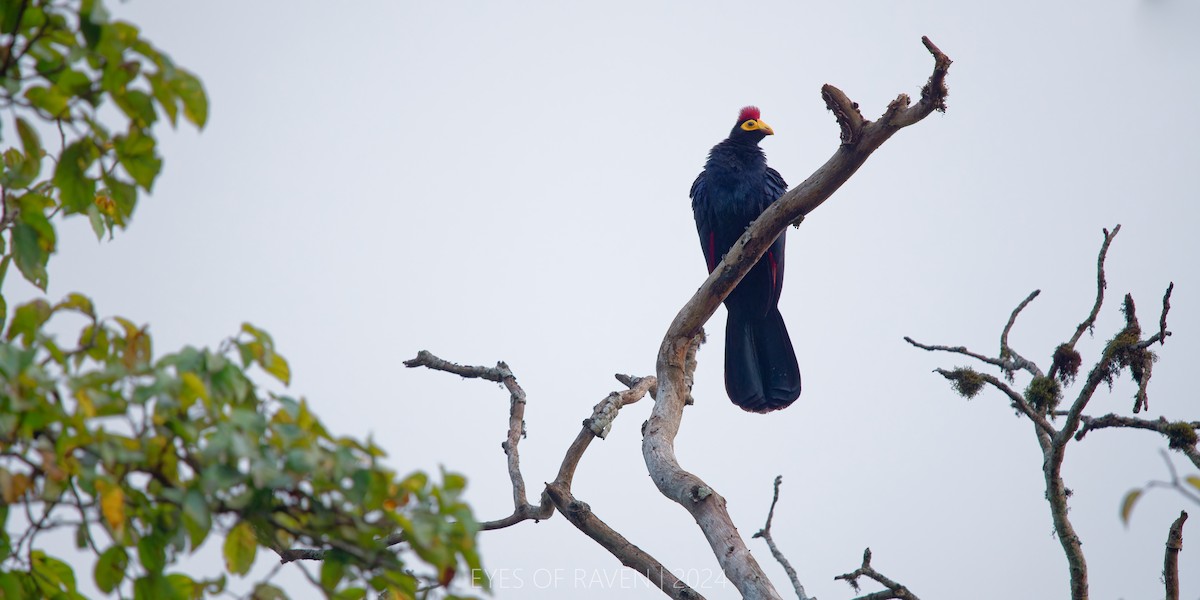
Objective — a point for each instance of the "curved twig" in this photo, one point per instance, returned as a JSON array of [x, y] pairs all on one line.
[[765, 534]]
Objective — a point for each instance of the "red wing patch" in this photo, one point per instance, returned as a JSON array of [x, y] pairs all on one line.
[[774, 269]]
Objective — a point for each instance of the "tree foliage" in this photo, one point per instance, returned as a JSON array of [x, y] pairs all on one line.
[[145, 457]]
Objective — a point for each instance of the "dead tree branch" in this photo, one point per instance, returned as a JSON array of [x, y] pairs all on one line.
[[1101, 284], [522, 509], [1126, 350], [859, 139], [894, 589], [1006, 352], [1171, 561], [557, 494], [765, 534], [1181, 435], [1018, 401], [1008, 361]]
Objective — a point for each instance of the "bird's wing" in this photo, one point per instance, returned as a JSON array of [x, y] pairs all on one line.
[[775, 187], [702, 211]]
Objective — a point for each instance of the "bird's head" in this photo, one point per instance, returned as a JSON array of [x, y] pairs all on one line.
[[750, 128]]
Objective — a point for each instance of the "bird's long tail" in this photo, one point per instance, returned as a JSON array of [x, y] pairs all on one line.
[[761, 373]]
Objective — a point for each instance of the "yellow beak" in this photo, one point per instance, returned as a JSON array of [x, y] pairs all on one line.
[[765, 128]]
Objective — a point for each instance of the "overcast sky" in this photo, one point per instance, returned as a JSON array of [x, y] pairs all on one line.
[[499, 182]]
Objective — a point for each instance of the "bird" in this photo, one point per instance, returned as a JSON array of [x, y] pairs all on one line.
[[735, 187]]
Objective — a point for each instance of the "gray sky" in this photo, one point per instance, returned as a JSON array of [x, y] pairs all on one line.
[[500, 182]]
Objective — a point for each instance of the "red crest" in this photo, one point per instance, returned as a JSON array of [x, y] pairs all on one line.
[[748, 113]]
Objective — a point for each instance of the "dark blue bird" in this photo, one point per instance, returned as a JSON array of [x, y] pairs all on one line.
[[761, 374]]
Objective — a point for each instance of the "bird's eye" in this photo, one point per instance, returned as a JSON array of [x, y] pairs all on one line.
[[750, 125]]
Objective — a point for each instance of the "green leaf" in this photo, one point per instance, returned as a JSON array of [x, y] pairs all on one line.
[[196, 517], [77, 189], [73, 83], [1127, 504], [50, 99], [138, 106], [28, 319], [32, 165], [165, 95], [30, 256], [77, 302], [124, 195], [240, 547], [99, 226], [184, 587], [333, 568], [155, 587], [191, 93], [266, 591], [34, 238], [136, 153], [152, 553], [53, 571], [110, 569]]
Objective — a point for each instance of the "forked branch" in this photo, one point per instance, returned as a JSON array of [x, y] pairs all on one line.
[[557, 494], [1125, 351], [894, 589], [859, 139]]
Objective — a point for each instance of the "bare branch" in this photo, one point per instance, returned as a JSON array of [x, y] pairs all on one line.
[[1171, 561], [1161, 336], [1016, 361], [522, 509], [1018, 401], [1181, 435], [765, 534], [1101, 284], [599, 424], [580, 515], [426, 359], [894, 589], [959, 350], [845, 111], [705, 505], [557, 494]]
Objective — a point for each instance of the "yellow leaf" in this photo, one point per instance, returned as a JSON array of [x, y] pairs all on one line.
[[193, 388], [277, 366], [112, 504], [1193, 480], [86, 406], [1127, 504]]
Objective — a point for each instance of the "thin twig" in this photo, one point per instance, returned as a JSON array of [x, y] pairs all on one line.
[[959, 350], [1016, 361], [894, 589], [765, 534], [522, 509], [1162, 334], [1018, 401], [1101, 284], [1181, 435]]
